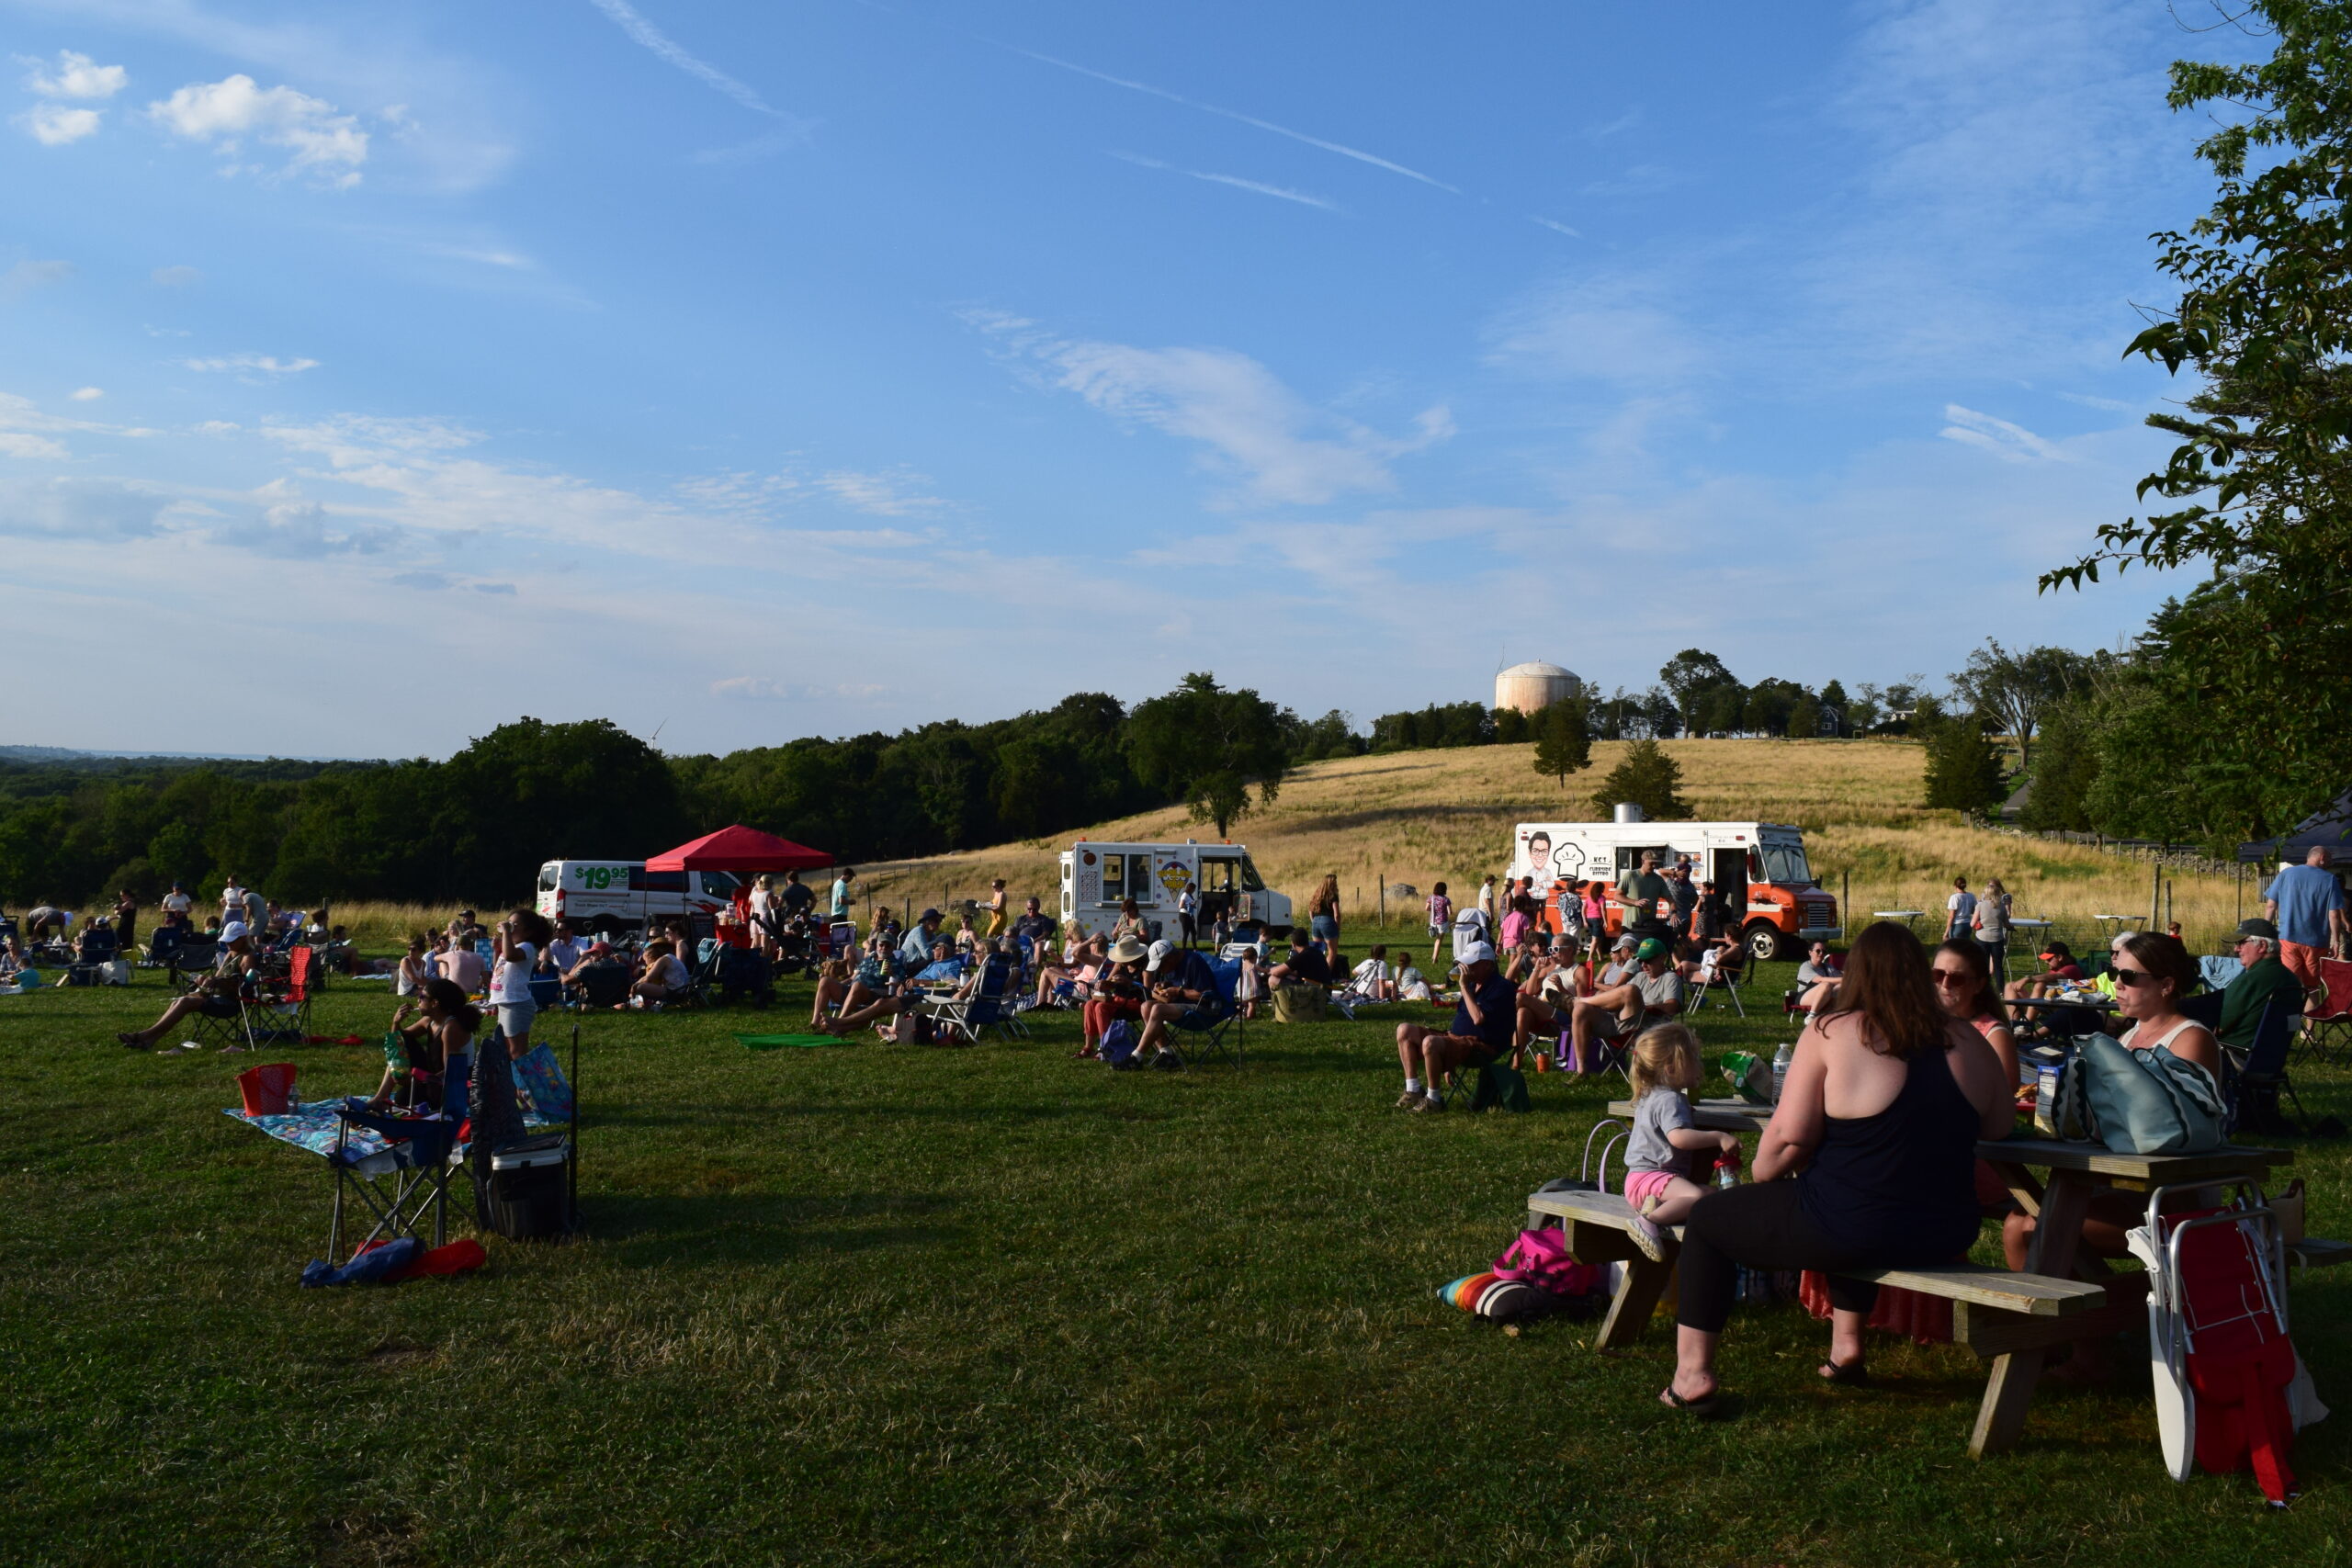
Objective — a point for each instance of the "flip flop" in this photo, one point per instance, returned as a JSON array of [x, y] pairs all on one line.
[[1702, 1408], [1848, 1374]]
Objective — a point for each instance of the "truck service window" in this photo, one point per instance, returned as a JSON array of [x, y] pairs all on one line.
[[1114, 878]]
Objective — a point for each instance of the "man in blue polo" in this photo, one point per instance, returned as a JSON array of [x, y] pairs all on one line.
[[2307, 903]]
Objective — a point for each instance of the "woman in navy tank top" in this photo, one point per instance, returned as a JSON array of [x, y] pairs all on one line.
[[1878, 1122]]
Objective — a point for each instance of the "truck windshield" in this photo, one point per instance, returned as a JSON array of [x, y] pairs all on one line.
[[549, 877], [1249, 879], [1784, 865]]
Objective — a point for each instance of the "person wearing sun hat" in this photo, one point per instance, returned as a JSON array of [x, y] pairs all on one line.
[[215, 996], [1652, 995], [1483, 1025], [1118, 993]]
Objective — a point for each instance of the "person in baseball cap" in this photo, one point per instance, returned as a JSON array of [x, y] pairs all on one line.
[[1184, 995], [2264, 979], [1652, 995], [215, 996], [1482, 1022]]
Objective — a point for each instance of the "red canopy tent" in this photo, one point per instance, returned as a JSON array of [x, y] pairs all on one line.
[[739, 849]]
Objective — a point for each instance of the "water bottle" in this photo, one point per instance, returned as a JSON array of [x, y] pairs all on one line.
[[1726, 1174], [1781, 1068]]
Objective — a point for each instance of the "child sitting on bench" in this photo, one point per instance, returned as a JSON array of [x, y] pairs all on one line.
[[1660, 1152]]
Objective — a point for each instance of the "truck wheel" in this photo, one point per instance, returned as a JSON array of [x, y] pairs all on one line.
[[1765, 941]]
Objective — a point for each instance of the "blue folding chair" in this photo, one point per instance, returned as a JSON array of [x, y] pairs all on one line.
[[1198, 1036], [989, 1007], [2251, 1093]]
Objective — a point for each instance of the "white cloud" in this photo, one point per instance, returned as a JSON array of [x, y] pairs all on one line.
[[2013, 443], [26, 275], [1258, 432], [16, 444], [895, 494], [324, 142], [54, 125], [255, 364], [76, 76], [1605, 329], [87, 394]]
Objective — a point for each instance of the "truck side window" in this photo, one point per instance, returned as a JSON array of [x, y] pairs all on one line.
[[1114, 878], [1142, 886]]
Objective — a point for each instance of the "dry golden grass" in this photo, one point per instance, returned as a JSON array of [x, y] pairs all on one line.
[[1420, 816]]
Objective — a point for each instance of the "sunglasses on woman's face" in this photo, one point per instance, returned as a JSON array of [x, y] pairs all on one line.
[[1950, 976], [2133, 977]]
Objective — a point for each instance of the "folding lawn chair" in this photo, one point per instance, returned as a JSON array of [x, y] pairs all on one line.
[[1197, 1036], [1495, 1086], [989, 1007], [276, 1008], [400, 1184], [1728, 970], [2251, 1092], [2333, 1018], [191, 959]]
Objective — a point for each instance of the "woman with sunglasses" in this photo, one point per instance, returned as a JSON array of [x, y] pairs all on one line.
[[2152, 973], [1963, 977]]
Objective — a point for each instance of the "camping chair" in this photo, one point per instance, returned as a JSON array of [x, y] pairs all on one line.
[[160, 947], [989, 1007], [401, 1184], [2333, 1018], [2251, 1092], [1497, 1085], [1196, 1036], [1728, 970], [277, 1006], [191, 960]]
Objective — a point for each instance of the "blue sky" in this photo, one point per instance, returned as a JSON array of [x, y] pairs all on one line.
[[748, 371]]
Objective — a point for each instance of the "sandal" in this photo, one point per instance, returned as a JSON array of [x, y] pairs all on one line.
[[1702, 1408], [1846, 1374]]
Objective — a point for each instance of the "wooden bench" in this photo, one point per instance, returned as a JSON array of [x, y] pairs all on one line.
[[1995, 1312]]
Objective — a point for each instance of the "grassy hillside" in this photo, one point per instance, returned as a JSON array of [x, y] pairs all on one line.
[[1417, 816]]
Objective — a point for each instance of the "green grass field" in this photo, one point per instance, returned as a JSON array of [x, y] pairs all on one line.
[[901, 1305]]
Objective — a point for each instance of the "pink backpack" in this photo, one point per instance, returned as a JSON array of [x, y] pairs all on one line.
[[1541, 1258]]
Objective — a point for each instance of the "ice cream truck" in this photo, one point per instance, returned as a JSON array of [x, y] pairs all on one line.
[[1098, 877], [1758, 869]]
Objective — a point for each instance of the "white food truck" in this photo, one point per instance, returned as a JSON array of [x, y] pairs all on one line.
[[606, 896], [1758, 869], [1098, 877]]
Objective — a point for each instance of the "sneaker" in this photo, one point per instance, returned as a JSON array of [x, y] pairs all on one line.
[[1649, 1238], [1430, 1102], [1166, 1062], [1411, 1100]]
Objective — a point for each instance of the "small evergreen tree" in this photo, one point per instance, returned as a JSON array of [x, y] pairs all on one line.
[[1563, 739], [1647, 777], [1963, 771]]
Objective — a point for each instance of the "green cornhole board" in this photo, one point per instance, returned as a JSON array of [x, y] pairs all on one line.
[[773, 1041]]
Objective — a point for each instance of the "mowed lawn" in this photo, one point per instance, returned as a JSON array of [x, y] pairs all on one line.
[[898, 1305]]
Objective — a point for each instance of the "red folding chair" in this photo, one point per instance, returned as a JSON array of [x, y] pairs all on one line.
[[2332, 1018], [278, 1008]]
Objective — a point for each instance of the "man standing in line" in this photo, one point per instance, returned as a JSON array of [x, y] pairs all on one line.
[[2306, 903], [1640, 891], [1686, 899], [841, 879]]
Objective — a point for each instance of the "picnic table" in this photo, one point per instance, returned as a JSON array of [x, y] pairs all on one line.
[[2015, 1342], [1908, 917]]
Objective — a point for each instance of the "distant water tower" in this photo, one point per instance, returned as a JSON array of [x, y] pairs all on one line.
[[1533, 686]]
